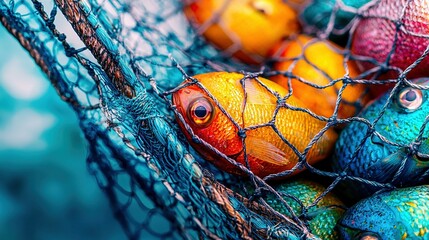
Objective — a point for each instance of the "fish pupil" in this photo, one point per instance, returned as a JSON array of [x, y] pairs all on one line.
[[410, 99], [410, 96], [200, 111]]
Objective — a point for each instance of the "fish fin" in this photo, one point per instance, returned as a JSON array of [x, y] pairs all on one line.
[[412, 170], [261, 149], [386, 168], [256, 94]]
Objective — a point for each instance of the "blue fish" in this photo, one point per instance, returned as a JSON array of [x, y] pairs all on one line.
[[398, 214], [398, 155]]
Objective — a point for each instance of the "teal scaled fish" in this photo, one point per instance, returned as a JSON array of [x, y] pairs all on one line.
[[322, 217], [377, 160], [316, 16], [399, 214]]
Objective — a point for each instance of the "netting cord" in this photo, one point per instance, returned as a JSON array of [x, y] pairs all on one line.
[[189, 161], [28, 40], [98, 47], [26, 37], [95, 37], [216, 192], [115, 67], [226, 196]]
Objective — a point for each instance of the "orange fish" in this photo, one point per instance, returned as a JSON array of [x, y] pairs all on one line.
[[267, 153], [322, 55], [245, 28]]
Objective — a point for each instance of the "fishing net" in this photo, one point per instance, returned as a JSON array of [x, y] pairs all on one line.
[[117, 63]]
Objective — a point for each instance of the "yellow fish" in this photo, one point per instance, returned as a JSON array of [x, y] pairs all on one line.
[[320, 56], [250, 106], [245, 28]]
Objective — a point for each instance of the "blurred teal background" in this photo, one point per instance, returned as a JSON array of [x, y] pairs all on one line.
[[46, 191]]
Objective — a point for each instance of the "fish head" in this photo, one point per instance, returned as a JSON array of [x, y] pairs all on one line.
[[401, 124], [405, 114], [202, 114], [370, 219]]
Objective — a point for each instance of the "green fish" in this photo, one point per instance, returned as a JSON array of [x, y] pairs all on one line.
[[317, 14], [398, 214], [322, 217]]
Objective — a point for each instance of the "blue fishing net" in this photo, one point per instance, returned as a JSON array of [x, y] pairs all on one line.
[[117, 63]]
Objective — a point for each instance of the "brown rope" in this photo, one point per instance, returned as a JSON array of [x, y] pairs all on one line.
[[216, 194], [74, 14]]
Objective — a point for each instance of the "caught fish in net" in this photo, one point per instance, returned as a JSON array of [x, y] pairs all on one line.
[[244, 119]]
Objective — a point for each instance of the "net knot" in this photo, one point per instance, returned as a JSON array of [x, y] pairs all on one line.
[[347, 80], [342, 175], [258, 193], [61, 37], [305, 214], [241, 133], [333, 120], [70, 51], [281, 101], [251, 75], [414, 147], [398, 23]]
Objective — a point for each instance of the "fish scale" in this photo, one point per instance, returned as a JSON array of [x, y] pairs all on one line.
[[323, 221], [399, 214], [284, 124], [319, 62], [396, 125], [245, 28], [411, 208], [376, 35]]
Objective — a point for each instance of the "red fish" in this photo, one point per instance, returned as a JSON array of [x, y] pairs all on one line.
[[379, 36]]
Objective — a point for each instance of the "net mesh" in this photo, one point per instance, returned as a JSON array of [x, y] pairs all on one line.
[[117, 63]]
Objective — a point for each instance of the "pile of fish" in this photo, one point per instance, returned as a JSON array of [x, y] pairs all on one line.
[[346, 92]]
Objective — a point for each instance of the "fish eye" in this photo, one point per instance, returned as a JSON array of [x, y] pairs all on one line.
[[410, 99], [367, 236], [262, 7], [200, 112]]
